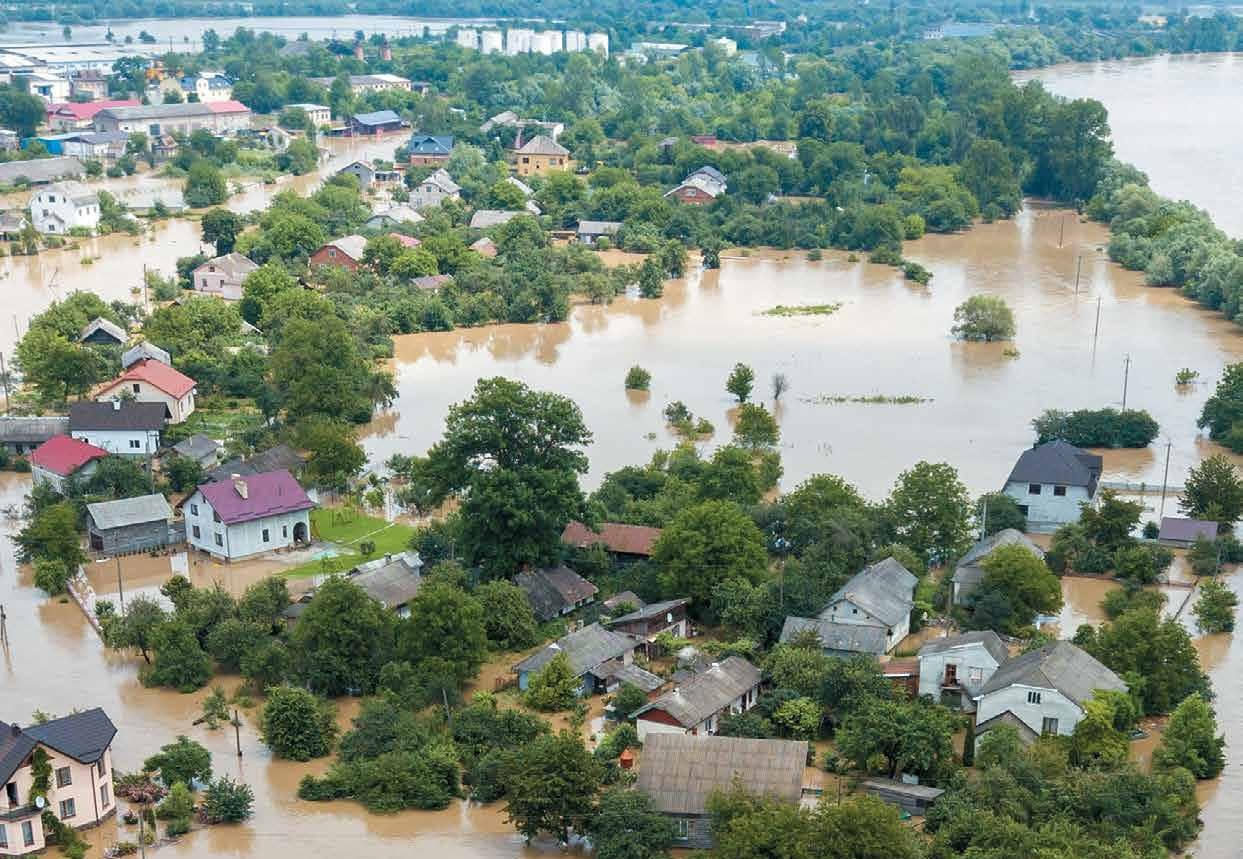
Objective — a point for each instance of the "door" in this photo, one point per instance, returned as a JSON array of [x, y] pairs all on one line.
[[951, 675]]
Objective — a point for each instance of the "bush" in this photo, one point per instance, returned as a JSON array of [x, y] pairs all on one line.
[[916, 272], [638, 379], [1097, 427], [177, 827], [51, 575], [178, 805], [1151, 530], [227, 801], [296, 724], [1093, 559], [983, 317]]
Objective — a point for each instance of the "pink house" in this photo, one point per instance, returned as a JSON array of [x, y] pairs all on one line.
[[78, 750]]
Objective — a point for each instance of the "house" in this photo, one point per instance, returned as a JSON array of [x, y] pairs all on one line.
[[429, 149], [47, 86], [957, 666], [121, 426], [79, 751], [20, 435], [969, 571], [392, 581], [103, 332], [130, 525], [346, 252], [88, 84], [62, 457], [208, 87], [697, 705], [363, 171], [700, 187], [586, 649], [626, 599], [376, 122], [149, 381], [1050, 482], [95, 145], [434, 190], [1183, 533], [1043, 691], [902, 675], [80, 116], [394, 217], [65, 206], [223, 276], [680, 774], [318, 114], [526, 190], [485, 247], [198, 448], [405, 241], [914, 799], [432, 281], [878, 599], [275, 458], [156, 120], [649, 621], [509, 119], [40, 171], [539, 155], [626, 542], [244, 516], [486, 219], [554, 591], [589, 232], [360, 84], [144, 349], [12, 224]]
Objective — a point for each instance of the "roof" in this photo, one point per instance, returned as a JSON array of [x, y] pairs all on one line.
[[430, 144], [41, 169], [486, 218], [234, 264], [405, 241], [129, 511], [1186, 530], [144, 349], [708, 186], [616, 537], [377, 117], [157, 374], [174, 111], [256, 496], [986, 638], [1007, 717], [586, 648], [64, 454], [624, 598], [598, 228], [649, 611], [442, 180], [900, 668], [117, 415], [196, 447], [116, 332], [274, 458], [706, 692], [1057, 462], [886, 590], [15, 745], [970, 570], [542, 144], [1061, 666], [352, 246], [391, 581], [844, 637], [398, 214], [86, 110], [617, 670], [31, 430], [520, 185], [681, 772], [711, 173], [484, 246], [552, 589], [432, 281], [893, 786], [82, 736]]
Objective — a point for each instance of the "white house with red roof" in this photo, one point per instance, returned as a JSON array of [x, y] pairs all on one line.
[[151, 381], [61, 457], [248, 515]]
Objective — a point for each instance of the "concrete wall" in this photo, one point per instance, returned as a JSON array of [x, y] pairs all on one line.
[[1047, 511], [967, 659], [1053, 704], [120, 441]]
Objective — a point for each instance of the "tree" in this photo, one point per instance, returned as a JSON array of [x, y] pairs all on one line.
[[741, 380], [651, 279], [931, 511], [999, 511], [638, 379], [983, 317], [227, 801], [550, 785], [221, 227], [851, 683], [56, 367], [267, 665], [232, 639], [182, 761], [296, 725], [316, 369], [21, 111], [554, 687], [756, 427], [507, 617], [178, 805], [1109, 524], [299, 158], [341, 640], [797, 667], [183, 473], [627, 699], [1096, 740], [909, 736], [1213, 491], [750, 724], [1026, 584], [799, 718], [626, 825], [136, 627], [333, 455], [205, 185], [705, 544], [51, 575], [446, 623], [261, 286], [1224, 409], [264, 602], [180, 662], [989, 174], [1214, 610], [1191, 741]]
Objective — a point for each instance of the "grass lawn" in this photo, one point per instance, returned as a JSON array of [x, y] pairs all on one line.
[[348, 529]]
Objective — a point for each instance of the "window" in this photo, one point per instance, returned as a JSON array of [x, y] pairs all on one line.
[[975, 675], [4, 836], [1033, 489], [219, 539], [105, 797], [266, 537], [1033, 697], [682, 826], [285, 531], [1059, 491], [67, 809], [215, 517], [1048, 726], [137, 388], [64, 777], [28, 833], [101, 768], [1023, 508], [194, 509], [197, 533], [135, 444]]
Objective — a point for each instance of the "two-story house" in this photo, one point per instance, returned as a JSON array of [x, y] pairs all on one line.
[[150, 381], [700, 187], [65, 206], [78, 750], [957, 667], [1043, 691], [223, 276], [244, 516], [345, 252], [651, 620], [429, 149], [123, 427], [1051, 481], [434, 190], [539, 155], [697, 705], [871, 613]]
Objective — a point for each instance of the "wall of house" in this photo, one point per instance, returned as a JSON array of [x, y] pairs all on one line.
[[332, 256], [427, 195], [244, 538], [532, 165], [975, 666], [692, 831], [89, 806], [1053, 705], [217, 282], [16, 844], [1047, 512], [56, 481], [848, 612], [52, 212], [131, 538], [122, 441], [145, 392]]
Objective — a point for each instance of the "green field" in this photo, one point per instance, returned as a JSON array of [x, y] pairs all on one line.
[[348, 529]]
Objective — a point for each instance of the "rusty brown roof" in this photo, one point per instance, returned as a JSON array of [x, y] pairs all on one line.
[[616, 537]]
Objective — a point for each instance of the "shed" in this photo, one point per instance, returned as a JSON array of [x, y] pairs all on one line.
[[199, 448], [392, 581], [130, 524], [586, 649], [1182, 533], [914, 799], [969, 571], [625, 541], [485, 219], [143, 350], [589, 232], [20, 435], [555, 590], [105, 331]]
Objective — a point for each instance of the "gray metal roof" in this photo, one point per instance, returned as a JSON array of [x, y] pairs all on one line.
[[129, 511], [41, 170], [116, 332], [117, 415], [32, 430], [598, 228], [680, 772], [1186, 530], [172, 111], [586, 649], [649, 611], [990, 641], [392, 581], [632, 674], [1061, 666], [969, 569], [197, 447], [144, 349], [885, 590], [707, 692], [487, 218], [275, 458], [1057, 462], [845, 637]]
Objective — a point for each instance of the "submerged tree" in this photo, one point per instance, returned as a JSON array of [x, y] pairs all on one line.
[[983, 317]]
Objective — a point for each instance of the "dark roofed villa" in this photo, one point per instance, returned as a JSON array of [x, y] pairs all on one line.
[[1050, 481]]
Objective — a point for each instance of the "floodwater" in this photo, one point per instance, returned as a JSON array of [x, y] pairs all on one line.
[[1177, 118]]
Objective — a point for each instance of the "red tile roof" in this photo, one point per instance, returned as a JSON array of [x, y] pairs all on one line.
[[407, 241], [64, 455], [227, 107], [256, 496], [170, 381], [87, 110], [623, 539]]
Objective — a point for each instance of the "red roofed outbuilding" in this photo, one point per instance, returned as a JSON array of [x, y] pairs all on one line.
[[151, 381], [62, 457], [74, 116], [633, 541]]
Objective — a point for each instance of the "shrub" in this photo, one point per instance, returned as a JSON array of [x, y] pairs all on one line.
[[916, 272], [638, 379], [227, 801], [296, 724], [1097, 427], [178, 805], [983, 317], [177, 827], [1093, 559]]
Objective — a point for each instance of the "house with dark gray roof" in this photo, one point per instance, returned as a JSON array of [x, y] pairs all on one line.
[[103, 331], [649, 621], [587, 649], [79, 752], [969, 571], [198, 448], [697, 705], [131, 525], [276, 458], [123, 427], [554, 591], [955, 668], [1045, 690], [840, 640], [1051, 481], [878, 599], [393, 581], [680, 773], [20, 435], [1183, 533], [589, 232]]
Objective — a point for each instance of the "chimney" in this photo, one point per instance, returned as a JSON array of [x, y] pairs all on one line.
[[240, 486], [116, 405], [386, 52], [16, 729], [358, 51]]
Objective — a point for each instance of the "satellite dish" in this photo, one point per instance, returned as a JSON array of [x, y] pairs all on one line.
[[40, 802]]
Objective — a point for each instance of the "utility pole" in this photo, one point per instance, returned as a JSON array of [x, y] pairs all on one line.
[[237, 731], [1165, 479], [4, 627], [1097, 330], [1078, 268], [120, 590], [4, 376], [1126, 377], [1061, 230]]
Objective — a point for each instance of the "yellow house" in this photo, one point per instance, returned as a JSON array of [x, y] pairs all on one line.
[[539, 155]]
